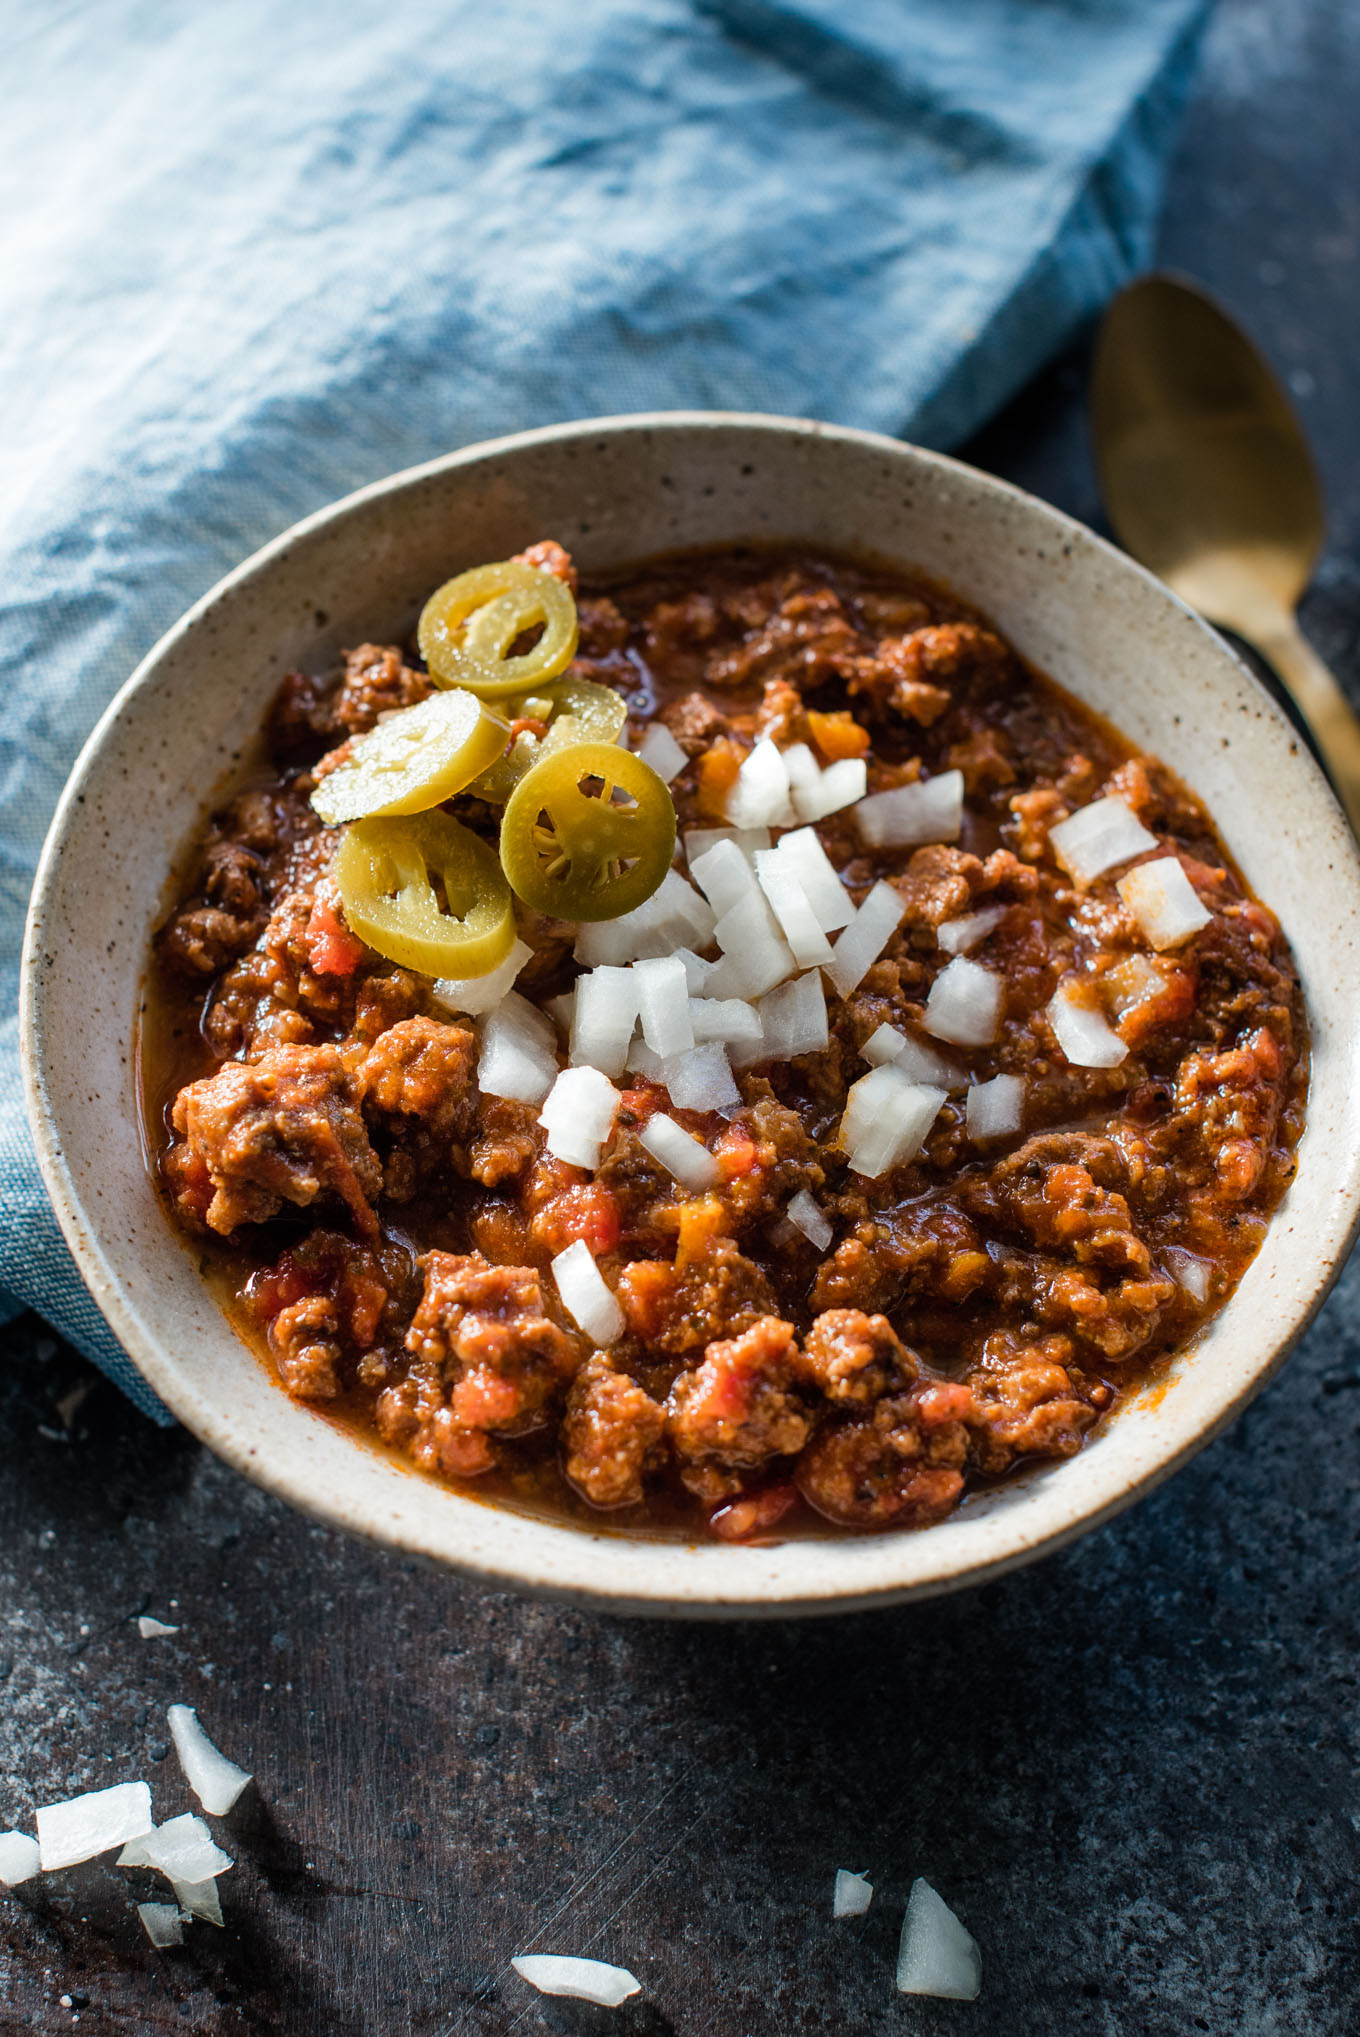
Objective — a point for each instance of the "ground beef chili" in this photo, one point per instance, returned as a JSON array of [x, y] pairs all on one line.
[[384, 1231]]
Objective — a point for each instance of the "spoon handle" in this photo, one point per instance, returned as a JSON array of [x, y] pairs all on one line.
[[1315, 691]]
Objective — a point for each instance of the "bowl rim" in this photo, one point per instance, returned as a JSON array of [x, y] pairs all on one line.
[[587, 1583]]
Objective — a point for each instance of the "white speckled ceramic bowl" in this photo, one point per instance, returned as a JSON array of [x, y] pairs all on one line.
[[616, 491]]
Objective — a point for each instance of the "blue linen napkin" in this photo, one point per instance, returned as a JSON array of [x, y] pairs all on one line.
[[261, 255]]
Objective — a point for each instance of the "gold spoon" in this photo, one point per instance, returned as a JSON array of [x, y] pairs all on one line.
[[1208, 480]]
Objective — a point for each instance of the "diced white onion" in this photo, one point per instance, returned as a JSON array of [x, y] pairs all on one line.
[[585, 1297], [162, 1923], [801, 769], [585, 1980], [724, 874], [603, 1021], [183, 1849], [931, 810], [853, 1894], [1081, 1031], [562, 1009], [886, 1120], [697, 971], [518, 1057], [81, 1827], [702, 1079], [153, 1630], [811, 1219], [660, 749], [475, 995], [964, 1005], [792, 908], [673, 917], [865, 938], [729, 1019], [1097, 837], [755, 954], [760, 796], [642, 1061], [1164, 902], [793, 1019], [699, 840], [663, 1005], [579, 1112], [840, 785], [19, 1858], [686, 1157], [199, 1899], [935, 1955], [916, 1060], [1195, 1275], [817, 874], [995, 1109], [961, 936], [214, 1780]]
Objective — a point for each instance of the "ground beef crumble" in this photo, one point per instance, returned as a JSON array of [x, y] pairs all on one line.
[[384, 1230]]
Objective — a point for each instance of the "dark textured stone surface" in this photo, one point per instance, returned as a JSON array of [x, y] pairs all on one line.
[[1132, 1769]]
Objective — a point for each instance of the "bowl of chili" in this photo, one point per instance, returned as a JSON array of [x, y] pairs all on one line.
[[874, 1359]]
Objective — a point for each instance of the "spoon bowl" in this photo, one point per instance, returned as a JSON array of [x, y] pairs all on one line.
[[1208, 480]]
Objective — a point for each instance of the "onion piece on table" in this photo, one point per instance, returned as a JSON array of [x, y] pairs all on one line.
[[199, 1899], [20, 1858], [162, 1923], [964, 1006], [476, 995], [585, 1296], [808, 1216], [1164, 902], [1097, 837], [214, 1780], [936, 1955], [578, 1113], [841, 784], [961, 936], [995, 1109], [153, 1630], [1082, 1032], [865, 938], [80, 1828], [660, 749], [584, 1980], [930, 810], [852, 1894], [603, 1019], [886, 1120], [684, 1156], [518, 1057], [183, 1849]]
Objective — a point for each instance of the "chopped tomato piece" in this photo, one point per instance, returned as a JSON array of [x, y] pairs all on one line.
[[332, 950], [755, 1514], [699, 1223], [717, 774], [588, 1213], [645, 1291], [837, 735], [736, 1152]]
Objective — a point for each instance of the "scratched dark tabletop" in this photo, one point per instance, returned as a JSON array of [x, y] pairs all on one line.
[[1131, 1769]]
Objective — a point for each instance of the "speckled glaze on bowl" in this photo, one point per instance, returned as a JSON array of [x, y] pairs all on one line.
[[613, 491]]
